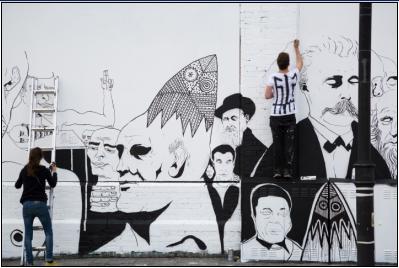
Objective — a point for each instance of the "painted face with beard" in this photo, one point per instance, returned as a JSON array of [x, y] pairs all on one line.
[[384, 131], [272, 219], [234, 124], [331, 86]]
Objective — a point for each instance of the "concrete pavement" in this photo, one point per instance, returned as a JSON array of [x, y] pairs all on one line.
[[161, 261]]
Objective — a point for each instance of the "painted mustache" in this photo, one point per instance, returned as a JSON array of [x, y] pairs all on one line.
[[230, 128], [342, 107]]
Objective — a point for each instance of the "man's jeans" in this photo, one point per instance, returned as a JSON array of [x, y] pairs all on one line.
[[283, 131], [32, 209]]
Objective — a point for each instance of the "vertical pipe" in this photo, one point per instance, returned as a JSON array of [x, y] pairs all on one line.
[[364, 168]]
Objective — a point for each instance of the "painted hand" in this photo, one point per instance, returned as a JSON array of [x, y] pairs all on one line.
[[104, 198], [106, 82]]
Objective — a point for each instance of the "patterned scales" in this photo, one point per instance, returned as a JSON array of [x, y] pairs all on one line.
[[191, 94]]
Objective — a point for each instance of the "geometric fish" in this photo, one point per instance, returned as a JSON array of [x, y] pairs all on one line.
[[331, 232], [191, 94]]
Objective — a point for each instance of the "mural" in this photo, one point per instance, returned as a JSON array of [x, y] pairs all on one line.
[[331, 231], [224, 191], [153, 147], [271, 213], [326, 148], [321, 228], [328, 135], [235, 113], [167, 179], [384, 111]]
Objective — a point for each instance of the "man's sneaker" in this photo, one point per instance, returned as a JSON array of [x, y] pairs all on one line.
[[51, 263]]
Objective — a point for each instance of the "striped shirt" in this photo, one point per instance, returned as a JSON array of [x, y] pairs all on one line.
[[283, 92]]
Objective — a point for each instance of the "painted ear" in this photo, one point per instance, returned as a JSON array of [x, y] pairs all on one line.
[[176, 170]]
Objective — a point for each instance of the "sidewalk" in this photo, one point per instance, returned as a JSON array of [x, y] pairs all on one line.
[[162, 261]]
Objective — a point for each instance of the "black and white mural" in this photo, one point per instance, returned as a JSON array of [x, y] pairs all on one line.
[[160, 150], [300, 221]]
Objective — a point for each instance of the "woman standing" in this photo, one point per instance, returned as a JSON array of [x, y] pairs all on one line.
[[34, 200]]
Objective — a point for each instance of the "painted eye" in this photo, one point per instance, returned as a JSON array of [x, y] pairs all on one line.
[[323, 205], [110, 150], [334, 81], [353, 79], [386, 120], [335, 206], [93, 147], [392, 81], [266, 212], [138, 150], [283, 212]]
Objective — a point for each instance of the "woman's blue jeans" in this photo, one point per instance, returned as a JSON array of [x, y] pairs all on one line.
[[31, 210]]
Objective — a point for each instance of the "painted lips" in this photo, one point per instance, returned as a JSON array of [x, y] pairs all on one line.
[[98, 164]]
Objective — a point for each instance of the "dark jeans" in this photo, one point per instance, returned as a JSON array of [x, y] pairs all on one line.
[[283, 131], [31, 210]]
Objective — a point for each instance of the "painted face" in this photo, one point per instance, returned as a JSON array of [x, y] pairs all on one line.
[[224, 165], [234, 124], [103, 153], [332, 88], [86, 136], [384, 75], [272, 219], [385, 121], [153, 154]]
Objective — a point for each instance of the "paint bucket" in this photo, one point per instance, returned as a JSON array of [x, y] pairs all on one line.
[[230, 255]]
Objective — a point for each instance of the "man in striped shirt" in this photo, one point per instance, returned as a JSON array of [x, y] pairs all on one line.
[[280, 87]]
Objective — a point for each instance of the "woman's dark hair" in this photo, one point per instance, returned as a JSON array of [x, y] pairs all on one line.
[[283, 60], [35, 155]]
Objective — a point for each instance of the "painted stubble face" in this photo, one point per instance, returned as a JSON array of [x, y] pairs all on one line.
[[103, 154], [272, 219], [332, 88]]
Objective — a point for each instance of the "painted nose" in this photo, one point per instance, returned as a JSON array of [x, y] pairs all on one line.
[[394, 129], [122, 167], [122, 173], [100, 153]]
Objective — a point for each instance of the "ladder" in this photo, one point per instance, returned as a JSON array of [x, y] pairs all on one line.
[[42, 133]]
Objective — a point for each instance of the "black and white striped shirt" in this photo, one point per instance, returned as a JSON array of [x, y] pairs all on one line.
[[283, 92]]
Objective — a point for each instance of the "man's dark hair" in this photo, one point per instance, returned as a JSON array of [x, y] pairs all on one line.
[[224, 148], [283, 60], [269, 189]]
